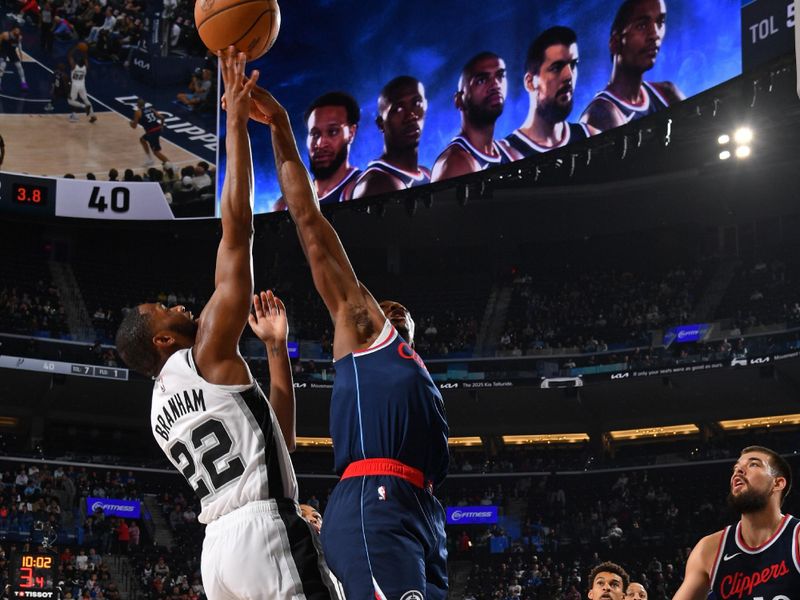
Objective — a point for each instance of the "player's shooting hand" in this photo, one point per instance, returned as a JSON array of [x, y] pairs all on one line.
[[268, 320], [264, 108], [238, 86]]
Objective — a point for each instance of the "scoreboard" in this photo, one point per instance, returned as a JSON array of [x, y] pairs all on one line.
[[83, 199], [34, 575]]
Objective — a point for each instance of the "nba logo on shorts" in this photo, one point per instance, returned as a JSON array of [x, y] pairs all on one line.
[[382, 496], [412, 595]]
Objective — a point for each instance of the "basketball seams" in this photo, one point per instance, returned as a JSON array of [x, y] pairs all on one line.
[[255, 22], [222, 10]]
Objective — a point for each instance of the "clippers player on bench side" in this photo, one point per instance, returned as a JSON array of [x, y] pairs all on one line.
[[211, 418], [757, 557], [384, 528]]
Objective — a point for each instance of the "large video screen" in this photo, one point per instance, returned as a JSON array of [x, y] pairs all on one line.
[[106, 112], [385, 96]]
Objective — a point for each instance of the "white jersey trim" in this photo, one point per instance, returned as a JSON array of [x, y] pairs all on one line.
[[718, 559], [643, 107], [492, 159], [796, 547], [418, 176], [343, 182], [526, 140], [386, 337], [742, 545]]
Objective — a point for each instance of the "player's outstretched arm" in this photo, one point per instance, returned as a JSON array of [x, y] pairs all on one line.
[[333, 275], [697, 581], [225, 315], [269, 322]]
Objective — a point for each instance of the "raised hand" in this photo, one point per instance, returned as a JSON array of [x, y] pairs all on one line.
[[268, 321], [238, 86]]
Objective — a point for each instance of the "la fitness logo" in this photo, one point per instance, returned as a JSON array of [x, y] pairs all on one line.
[[739, 585], [412, 595], [407, 352]]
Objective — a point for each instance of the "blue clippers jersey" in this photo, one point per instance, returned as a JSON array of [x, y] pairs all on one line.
[[653, 102], [771, 571], [385, 405], [337, 193], [407, 179], [484, 160], [527, 147]]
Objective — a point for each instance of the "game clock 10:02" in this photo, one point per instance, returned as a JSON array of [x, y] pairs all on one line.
[[34, 575]]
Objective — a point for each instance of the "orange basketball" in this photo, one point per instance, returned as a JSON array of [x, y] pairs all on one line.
[[249, 25], [83, 47]]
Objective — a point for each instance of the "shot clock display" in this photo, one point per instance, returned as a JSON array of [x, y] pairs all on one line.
[[29, 193], [34, 575]]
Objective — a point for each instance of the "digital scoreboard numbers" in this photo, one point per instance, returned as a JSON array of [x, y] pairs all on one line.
[[83, 199], [27, 195], [34, 575]]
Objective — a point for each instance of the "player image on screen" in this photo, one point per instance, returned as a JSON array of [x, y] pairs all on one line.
[[758, 556], [332, 121], [78, 97], [10, 52], [384, 529], [211, 418], [153, 122], [636, 37], [551, 73], [481, 96], [401, 118]]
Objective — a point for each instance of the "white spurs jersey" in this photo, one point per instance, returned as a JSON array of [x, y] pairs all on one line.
[[78, 75], [225, 439]]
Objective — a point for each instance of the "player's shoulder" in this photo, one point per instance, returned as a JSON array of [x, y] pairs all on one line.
[[668, 90], [708, 547], [601, 114], [454, 160], [375, 181]]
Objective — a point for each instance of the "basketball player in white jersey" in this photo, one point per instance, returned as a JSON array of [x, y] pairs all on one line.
[[211, 418], [77, 91]]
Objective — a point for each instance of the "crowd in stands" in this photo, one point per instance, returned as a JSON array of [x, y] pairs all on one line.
[[763, 292], [586, 311], [553, 527], [190, 184]]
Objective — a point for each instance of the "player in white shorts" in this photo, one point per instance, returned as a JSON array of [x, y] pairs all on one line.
[[77, 90], [211, 418]]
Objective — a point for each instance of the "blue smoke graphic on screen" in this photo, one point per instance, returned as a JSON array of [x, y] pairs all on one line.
[[357, 47]]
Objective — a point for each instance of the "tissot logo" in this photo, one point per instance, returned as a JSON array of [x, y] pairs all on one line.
[[740, 585]]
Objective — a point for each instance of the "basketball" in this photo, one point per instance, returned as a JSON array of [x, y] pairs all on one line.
[[83, 47], [249, 25]]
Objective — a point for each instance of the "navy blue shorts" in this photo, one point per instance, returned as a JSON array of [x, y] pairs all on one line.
[[152, 138], [384, 538]]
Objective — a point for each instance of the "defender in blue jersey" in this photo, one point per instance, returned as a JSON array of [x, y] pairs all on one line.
[[401, 118], [636, 36], [332, 121], [384, 529], [153, 122], [481, 96], [551, 72], [759, 557]]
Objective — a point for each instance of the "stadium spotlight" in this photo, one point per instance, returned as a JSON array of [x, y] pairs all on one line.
[[725, 155], [742, 151], [743, 136], [724, 139]]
